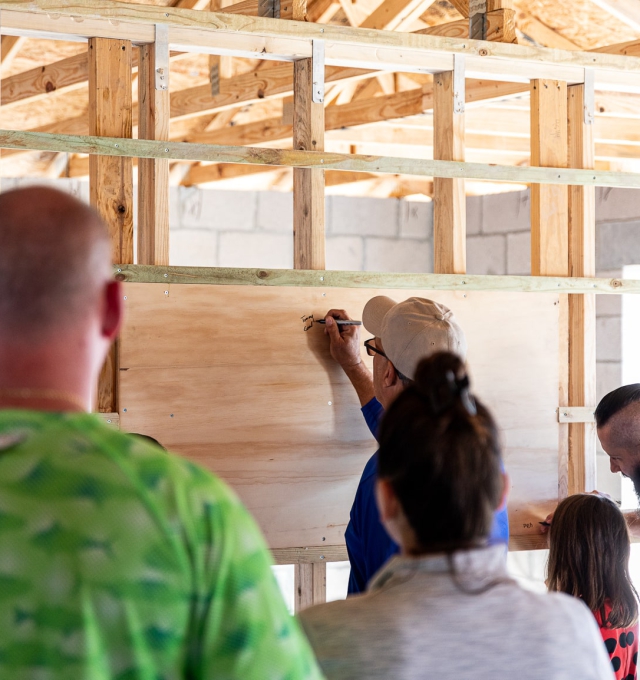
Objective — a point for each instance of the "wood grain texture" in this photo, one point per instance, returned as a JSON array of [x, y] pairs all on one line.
[[153, 173], [344, 279], [110, 102], [38, 83], [111, 178], [501, 26], [391, 14], [549, 204], [122, 147], [452, 29], [327, 553], [227, 376], [308, 185], [310, 585], [10, 45], [356, 113], [248, 88], [449, 202], [190, 29], [582, 308], [462, 6]]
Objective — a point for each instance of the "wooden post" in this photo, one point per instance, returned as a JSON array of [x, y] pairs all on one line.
[[310, 585], [449, 203], [111, 177], [308, 232], [549, 203], [550, 227], [582, 312], [308, 184], [153, 174]]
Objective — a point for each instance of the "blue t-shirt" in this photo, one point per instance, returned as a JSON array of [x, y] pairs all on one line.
[[368, 544]]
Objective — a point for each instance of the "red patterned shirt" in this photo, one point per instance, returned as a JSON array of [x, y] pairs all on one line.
[[622, 645]]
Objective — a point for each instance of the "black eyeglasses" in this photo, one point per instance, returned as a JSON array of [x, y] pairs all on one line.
[[372, 349]]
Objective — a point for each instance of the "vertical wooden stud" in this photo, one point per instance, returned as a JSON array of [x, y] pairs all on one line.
[[449, 203], [153, 174], [549, 203], [582, 313], [111, 177], [550, 227], [308, 184], [310, 585], [308, 230]]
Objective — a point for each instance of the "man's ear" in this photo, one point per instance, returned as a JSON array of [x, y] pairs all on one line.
[[388, 504], [390, 377], [112, 309]]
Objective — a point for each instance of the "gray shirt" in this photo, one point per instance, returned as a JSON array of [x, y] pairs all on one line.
[[418, 620]]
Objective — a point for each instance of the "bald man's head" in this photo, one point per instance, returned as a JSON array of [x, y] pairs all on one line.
[[54, 259], [618, 423]]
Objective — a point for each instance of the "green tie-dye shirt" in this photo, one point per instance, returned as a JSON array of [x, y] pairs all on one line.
[[119, 561]]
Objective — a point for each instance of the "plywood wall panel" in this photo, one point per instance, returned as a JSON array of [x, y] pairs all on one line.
[[228, 376]]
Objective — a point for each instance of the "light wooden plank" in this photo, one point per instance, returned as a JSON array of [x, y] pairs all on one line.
[[392, 14], [297, 458], [153, 173], [631, 48], [550, 231], [387, 107], [111, 178], [123, 147], [576, 414], [462, 6], [310, 583], [582, 308], [449, 202], [308, 184], [501, 26], [549, 204], [541, 33], [328, 553], [248, 88], [344, 279], [10, 45], [38, 83], [285, 40]]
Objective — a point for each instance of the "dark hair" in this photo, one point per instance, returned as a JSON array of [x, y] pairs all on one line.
[[615, 401], [589, 557], [439, 450]]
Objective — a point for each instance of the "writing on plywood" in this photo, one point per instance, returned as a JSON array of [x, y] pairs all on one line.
[[223, 375]]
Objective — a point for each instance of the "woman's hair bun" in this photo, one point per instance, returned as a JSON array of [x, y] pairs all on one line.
[[443, 381]]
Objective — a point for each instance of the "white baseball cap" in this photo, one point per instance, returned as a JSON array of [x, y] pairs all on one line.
[[412, 330]]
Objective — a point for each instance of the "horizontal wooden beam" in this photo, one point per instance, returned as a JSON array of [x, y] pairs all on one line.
[[113, 146], [338, 553], [56, 79], [343, 279], [329, 553], [61, 76], [249, 88], [359, 112], [257, 37]]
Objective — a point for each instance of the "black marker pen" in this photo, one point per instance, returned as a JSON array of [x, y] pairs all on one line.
[[342, 322]]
